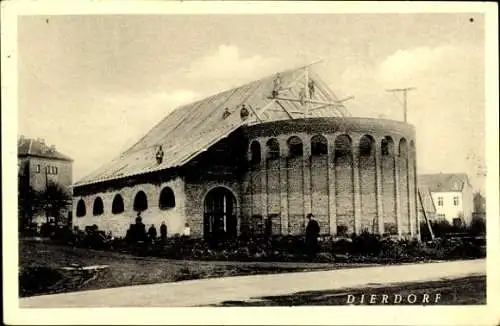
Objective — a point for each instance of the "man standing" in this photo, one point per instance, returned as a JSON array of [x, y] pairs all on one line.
[[311, 88], [152, 233], [187, 230], [140, 228], [163, 231], [312, 233]]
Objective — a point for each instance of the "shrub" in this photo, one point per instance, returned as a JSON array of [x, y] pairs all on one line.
[[366, 244], [37, 279], [477, 226]]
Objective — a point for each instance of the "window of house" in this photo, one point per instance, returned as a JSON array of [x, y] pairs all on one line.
[[440, 201], [37, 169], [140, 202], [387, 146], [98, 208], [295, 148], [273, 149], [117, 206], [255, 152], [319, 145], [167, 198], [455, 201], [441, 216], [80, 208], [366, 146]]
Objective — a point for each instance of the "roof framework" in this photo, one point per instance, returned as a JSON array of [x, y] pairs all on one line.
[[193, 128]]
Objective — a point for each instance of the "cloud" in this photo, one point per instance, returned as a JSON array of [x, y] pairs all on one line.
[[447, 107], [228, 66], [405, 65]]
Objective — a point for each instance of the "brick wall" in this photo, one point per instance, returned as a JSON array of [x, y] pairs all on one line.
[[319, 192], [388, 191], [287, 189], [403, 196], [195, 197], [344, 192], [368, 192], [273, 194], [295, 179]]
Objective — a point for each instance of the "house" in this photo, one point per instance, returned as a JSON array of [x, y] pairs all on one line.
[[40, 164], [451, 194], [256, 159]]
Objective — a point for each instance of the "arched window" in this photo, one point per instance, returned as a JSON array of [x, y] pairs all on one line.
[[255, 152], [80, 208], [117, 206], [403, 148], [387, 146], [140, 202], [366, 146], [167, 198], [295, 147], [273, 149], [319, 145], [343, 146], [98, 207]]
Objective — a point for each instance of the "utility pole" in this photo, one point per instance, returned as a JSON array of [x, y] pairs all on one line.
[[405, 97]]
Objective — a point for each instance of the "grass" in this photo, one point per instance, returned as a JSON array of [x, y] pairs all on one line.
[[41, 269], [462, 291]]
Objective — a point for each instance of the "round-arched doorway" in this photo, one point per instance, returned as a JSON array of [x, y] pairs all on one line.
[[220, 210]]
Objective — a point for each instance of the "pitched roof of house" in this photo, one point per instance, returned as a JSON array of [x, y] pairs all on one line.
[[38, 148], [193, 128], [443, 182], [427, 202]]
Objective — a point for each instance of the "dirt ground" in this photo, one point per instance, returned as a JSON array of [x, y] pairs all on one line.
[[46, 268], [460, 291]]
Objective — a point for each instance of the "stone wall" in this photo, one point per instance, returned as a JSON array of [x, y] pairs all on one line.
[[118, 224]]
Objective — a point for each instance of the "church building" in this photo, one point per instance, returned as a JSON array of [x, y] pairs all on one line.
[[265, 154]]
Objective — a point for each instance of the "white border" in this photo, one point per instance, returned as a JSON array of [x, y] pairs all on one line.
[[355, 315]]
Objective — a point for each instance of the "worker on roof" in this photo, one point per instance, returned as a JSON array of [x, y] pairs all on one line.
[[244, 112], [311, 88], [226, 113], [302, 96], [159, 155], [277, 85]]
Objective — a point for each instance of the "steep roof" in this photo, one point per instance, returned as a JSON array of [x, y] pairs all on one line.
[[427, 201], [193, 128], [443, 182], [38, 148]]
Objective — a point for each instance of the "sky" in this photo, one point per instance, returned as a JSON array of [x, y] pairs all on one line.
[[93, 85]]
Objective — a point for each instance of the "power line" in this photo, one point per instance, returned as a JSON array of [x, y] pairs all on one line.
[[405, 98]]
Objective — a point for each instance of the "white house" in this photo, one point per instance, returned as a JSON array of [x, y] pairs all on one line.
[[451, 193]]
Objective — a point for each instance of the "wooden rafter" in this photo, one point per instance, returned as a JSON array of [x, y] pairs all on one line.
[[284, 109], [305, 100]]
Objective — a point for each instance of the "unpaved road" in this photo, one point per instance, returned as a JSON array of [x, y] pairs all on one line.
[[213, 291]]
